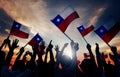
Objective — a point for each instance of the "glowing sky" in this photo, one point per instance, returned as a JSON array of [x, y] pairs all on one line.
[[37, 15]]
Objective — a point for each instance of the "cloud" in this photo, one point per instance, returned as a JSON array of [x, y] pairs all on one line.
[[98, 13], [5, 22], [110, 13]]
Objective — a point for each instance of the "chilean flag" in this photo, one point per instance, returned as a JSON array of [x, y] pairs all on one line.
[[65, 18], [107, 35], [84, 31], [35, 40], [86, 55], [17, 30]]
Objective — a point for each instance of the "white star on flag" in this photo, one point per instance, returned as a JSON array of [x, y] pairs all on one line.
[[38, 39], [81, 28], [101, 30], [16, 25], [58, 20]]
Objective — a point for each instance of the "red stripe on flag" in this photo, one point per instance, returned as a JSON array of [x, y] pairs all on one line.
[[63, 26], [32, 42], [111, 33], [19, 33], [87, 30]]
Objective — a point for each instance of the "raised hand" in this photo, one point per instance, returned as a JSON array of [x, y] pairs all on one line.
[[97, 45], [57, 48], [88, 46], [22, 49], [74, 46], [5, 43], [10, 53], [50, 46], [114, 50], [14, 44], [42, 46], [65, 45], [97, 48]]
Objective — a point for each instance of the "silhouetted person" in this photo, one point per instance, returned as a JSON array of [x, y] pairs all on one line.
[[115, 58], [99, 57], [110, 70], [32, 63], [2, 53], [24, 59], [11, 51], [89, 65], [49, 66], [69, 65], [38, 71], [58, 72], [19, 64]]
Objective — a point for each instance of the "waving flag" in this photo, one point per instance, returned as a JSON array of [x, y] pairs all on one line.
[[65, 18], [86, 55], [17, 30], [84, 31], [35, 40], [107, 35]]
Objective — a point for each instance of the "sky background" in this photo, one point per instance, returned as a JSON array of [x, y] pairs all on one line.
[[36, 15]]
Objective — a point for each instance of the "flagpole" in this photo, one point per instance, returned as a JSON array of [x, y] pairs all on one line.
[[10, 31], [25, 45], [68, 37], [108, 45], [85, 40]]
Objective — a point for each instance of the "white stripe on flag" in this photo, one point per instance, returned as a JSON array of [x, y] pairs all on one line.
[[25, 29], [67, 12]]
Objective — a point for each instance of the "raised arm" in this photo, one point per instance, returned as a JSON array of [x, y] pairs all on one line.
[[98, 56], [10, 53], [90, 52], [75, 48], [59, 53], [116, 59], [18, 63], [5, 43], [92, 58], [51, 53], [41, 52], [20, 53], [48, 49], [65, 45], [35, 51]]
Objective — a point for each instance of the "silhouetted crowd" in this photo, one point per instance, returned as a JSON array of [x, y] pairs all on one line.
[[59, 66]]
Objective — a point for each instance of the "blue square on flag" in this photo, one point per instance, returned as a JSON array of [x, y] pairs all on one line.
[[37, 38], [57, 20], [16, 25], [81, 28], [101, 31]]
